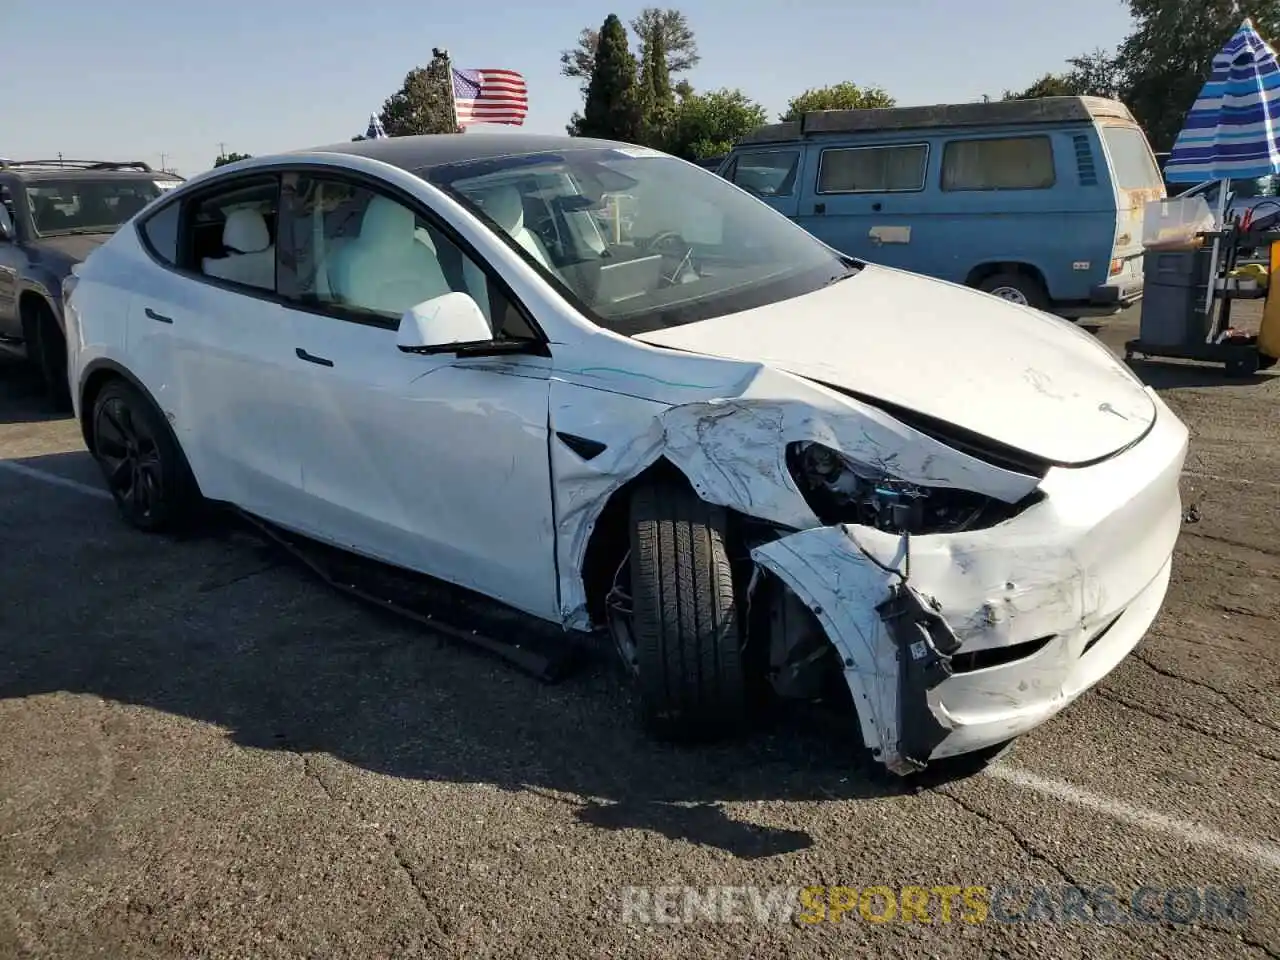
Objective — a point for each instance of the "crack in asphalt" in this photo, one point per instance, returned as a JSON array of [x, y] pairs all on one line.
[[1229, 698], [1026, 846], [211, 586], [1067, 877], [438, 934], [1182, 722], [309, 770], [1231, 543]]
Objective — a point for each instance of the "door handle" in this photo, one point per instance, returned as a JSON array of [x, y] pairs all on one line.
[[819, 208], [312, 358], [160, 317], [876, 207]]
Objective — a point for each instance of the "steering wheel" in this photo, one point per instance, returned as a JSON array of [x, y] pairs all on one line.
[[664, 238]]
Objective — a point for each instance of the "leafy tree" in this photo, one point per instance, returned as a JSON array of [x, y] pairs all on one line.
[[1169, 55], [677, 40], [1096, 74], [225, 158], [841, 96], [423, 104], [612, 108], [708, 124]]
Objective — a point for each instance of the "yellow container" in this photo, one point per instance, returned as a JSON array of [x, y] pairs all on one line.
[[1269, 332]]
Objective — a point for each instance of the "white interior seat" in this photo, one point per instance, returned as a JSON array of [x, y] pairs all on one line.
[[387, 269], [252, 261], [506, 207]]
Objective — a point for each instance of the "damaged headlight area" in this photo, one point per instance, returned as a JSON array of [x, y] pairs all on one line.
[[841, 490]]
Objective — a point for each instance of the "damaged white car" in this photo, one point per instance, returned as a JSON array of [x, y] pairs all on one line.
[[610, 394]]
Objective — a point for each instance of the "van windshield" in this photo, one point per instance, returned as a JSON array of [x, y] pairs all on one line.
[[641, 240], [1132, 164]]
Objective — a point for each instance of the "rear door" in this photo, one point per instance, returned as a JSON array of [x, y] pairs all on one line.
[[1136, 180], [770, 173]]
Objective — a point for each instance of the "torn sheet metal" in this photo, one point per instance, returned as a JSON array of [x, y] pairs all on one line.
[[733, 451]]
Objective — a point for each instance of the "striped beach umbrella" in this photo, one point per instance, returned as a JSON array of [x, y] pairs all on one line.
[[1232, 131]]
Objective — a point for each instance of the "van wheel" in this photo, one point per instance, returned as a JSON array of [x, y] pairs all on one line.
[[1017, 288], [685, 624]]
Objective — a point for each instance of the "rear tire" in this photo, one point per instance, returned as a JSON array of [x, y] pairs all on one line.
[[1016, 287], [145, 469], [685, 622]]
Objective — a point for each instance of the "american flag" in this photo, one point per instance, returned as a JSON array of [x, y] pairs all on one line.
[[490, 96]]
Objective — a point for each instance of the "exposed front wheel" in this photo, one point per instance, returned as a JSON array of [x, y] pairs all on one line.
[[143, 465], [684, 620]]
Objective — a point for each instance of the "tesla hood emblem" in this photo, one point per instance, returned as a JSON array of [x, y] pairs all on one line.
[[1108, 408]]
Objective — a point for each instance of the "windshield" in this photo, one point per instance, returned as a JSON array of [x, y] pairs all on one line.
[[641, 240], [60, 207]]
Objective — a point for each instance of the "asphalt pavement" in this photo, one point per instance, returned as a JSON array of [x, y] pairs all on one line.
[[204, 752]]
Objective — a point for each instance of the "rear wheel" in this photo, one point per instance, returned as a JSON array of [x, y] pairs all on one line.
[[687, 636], [1016, 287], [143, 465]]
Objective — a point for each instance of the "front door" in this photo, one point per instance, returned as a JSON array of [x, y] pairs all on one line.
[[435, 463], [772, 174]]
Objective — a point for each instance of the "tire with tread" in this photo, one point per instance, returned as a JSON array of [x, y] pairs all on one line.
[[177, 506], [685, 620]]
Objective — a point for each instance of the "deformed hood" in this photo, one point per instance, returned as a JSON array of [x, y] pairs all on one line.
[[1021, 377]]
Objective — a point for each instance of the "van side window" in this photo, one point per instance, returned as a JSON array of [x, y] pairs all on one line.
[[1005, 163], [872, 169], [766, 173]]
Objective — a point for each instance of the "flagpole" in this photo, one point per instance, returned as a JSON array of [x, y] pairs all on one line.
[[448, 79]]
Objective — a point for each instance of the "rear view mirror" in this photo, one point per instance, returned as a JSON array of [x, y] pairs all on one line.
[[442, 324]]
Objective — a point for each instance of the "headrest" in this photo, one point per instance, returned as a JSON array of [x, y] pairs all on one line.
[[505, 206], [386, 221], [245, 232]]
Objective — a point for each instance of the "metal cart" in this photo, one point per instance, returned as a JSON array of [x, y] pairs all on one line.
[[1175, 323]]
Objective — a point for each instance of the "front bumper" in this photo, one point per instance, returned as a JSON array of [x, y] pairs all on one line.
[[1030, 613]]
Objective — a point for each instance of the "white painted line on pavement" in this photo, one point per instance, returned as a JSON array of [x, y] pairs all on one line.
[[1256, 851], [1217, 479], [33, 473]]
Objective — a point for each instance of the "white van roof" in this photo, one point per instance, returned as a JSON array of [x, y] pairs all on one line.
[[994, 113]]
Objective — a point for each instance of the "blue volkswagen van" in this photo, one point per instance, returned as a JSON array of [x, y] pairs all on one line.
[[1035, 201]]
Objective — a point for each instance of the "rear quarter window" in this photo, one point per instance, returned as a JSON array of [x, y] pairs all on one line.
[[1132, 165], [160, 233]]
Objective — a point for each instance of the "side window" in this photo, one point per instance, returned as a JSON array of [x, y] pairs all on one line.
[[873, 169], [160, 233], [6, 201], [1006, 163], [231, 235], [767, 173], [372, 258]]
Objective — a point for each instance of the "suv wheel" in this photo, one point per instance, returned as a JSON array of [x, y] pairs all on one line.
[[144, 467], [685, 623], [49, 353]]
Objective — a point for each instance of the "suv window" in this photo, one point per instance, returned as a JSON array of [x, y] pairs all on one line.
[[84, 205], [872, 169], [371, 258], [769, 173], [1002, 163], [230, 235]]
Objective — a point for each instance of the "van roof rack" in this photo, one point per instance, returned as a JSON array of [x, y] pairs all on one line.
[[76, 165], [940, 115]]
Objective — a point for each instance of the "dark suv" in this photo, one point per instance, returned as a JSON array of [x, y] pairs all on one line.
[[53, 213]]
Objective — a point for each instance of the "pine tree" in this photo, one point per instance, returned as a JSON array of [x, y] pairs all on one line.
[[657, 101], [612, 110]]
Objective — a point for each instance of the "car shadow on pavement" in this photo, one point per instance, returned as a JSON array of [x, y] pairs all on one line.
[[224, 630], [22, 395]]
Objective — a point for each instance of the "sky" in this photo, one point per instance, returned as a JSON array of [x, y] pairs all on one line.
[[173, 82]]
